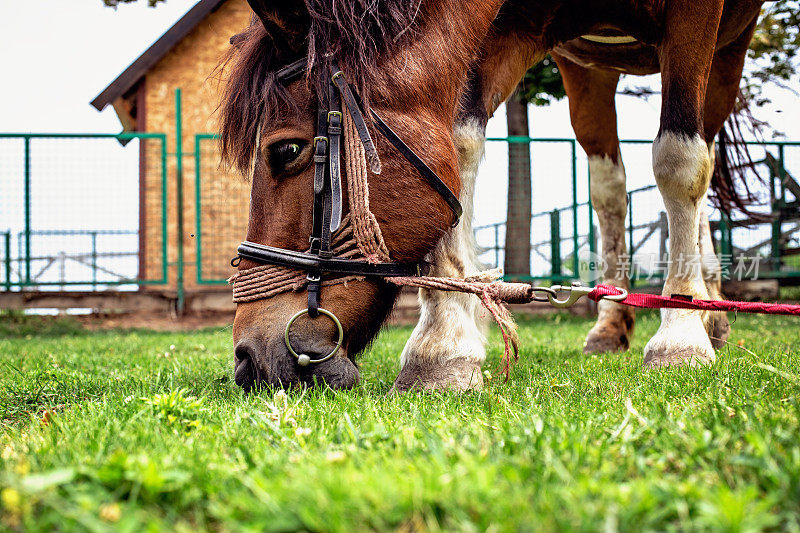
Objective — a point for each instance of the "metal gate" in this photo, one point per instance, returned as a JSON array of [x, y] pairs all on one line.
[[67, 219]]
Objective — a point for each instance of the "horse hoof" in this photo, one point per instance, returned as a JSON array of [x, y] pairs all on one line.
[[719, 329], [605, 340], [609, 336], [681, 340], [456, 375]]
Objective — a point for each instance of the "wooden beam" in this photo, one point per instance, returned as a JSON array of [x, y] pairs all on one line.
[[101, 301], [210, 299]]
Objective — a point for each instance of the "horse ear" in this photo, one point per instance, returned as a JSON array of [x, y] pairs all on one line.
[[287, 23]]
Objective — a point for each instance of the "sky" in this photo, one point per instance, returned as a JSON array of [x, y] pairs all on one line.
[[57, 55]]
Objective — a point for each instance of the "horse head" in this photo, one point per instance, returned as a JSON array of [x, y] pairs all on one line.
[[345, 129]]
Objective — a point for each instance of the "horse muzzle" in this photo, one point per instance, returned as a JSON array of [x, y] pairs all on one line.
[[310, 352]]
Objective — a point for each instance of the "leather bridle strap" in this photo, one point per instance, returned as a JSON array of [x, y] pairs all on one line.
[[292, 71], [354, 108], [320, 240], [334, 157], [261, 253], [296, 69]]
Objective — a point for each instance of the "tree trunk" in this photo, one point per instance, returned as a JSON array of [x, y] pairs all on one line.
[[518, 216]]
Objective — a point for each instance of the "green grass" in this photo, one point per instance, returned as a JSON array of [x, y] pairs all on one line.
[[127, 430]]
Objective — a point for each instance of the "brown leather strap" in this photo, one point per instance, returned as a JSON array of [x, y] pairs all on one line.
[[334, 156], [425, 171], [358, 119]]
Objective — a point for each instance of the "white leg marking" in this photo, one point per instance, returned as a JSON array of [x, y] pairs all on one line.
[[610, 202], [450, 327], [712, 271], [718, 326], [682, 169]]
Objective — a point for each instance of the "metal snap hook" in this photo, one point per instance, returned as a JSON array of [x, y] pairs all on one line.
[[303, 359], [578, 291]]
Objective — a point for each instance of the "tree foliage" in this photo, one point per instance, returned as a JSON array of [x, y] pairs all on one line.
[[542, 84], [774, 50]]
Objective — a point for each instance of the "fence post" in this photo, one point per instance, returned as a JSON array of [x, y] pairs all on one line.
[[164, 211], [777, 206], [555, 243], [179, 200], [724, 235], [575, 260], [497, 245], [630, 227], [7, 239], [20, 257], [782, 171], [27, 210], [198, 223], [94, 259]]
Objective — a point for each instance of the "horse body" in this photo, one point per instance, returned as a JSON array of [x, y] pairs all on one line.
[[593, 44]]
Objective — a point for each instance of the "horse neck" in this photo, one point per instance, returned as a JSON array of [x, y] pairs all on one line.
[[431, 68]]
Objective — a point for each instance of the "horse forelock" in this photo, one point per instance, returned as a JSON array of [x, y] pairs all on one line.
[[251, 96], [355, 34], [350, 35]]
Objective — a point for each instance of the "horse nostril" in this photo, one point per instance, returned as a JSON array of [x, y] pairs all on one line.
[[244, 350], [244, 373]]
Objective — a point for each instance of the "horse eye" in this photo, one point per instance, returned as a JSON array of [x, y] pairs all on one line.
[[282, 154]]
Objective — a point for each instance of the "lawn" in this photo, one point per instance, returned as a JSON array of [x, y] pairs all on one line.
[[128, 429]]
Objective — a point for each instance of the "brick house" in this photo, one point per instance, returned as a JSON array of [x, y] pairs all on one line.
[[143, 96]]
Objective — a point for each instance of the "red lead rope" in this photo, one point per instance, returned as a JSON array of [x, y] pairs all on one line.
[[653, 301]]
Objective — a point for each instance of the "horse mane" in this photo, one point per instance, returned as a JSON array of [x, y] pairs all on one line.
[[352, 35]]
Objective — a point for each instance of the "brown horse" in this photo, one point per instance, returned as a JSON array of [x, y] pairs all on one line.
[[593, 44], [406, 59], [416, 81]]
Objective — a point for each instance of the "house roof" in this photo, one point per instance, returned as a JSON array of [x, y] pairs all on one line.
[[131, 75]]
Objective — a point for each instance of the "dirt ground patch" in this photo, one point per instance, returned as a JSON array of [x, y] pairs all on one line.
[[157, 321]]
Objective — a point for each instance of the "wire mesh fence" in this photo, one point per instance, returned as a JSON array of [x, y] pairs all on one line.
[[564, 234], [69, 215]]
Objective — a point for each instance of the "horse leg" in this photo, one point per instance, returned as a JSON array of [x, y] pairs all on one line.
[[447, 347], [723, 88], [682, 168], [719, 327], [594, 120]]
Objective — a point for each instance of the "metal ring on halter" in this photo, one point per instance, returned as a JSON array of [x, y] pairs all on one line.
[[303, 359]]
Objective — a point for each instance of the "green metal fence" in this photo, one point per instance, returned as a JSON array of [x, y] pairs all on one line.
[[560, 235], [222, 202], [67, 218], [44, 176]]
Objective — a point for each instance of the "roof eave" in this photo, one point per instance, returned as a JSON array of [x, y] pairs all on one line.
[[131, 75]]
